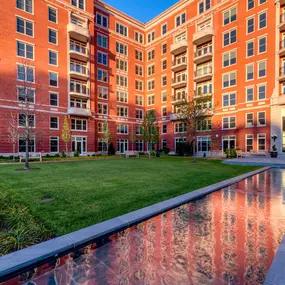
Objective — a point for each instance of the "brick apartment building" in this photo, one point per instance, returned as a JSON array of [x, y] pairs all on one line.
[[94, 64]]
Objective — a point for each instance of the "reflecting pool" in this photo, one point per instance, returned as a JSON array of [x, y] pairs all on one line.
[[227, 237]]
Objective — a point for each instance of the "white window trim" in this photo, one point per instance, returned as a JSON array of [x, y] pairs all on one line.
[[51, 71], [56, 9], [99, 51], [125, 26], [258, 62], [105, 104], [57, 123], [257, 139], [253, 71], [26, 19], [26, 43], [258, 15], [249, 113], [101, 26], [162, 25], [57, 93], [228, 10], [261, 37], [55, 30], [228, 31], [57, 144], [102, 35], [85, 131], [247, 42], [229, 123], [249, 87], [247, 19], [55, 51], [228, 73], [257, 123]]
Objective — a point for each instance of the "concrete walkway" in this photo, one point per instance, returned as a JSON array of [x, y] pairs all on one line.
[[256, 161]]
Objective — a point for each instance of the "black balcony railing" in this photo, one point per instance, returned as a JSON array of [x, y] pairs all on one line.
[[203, 51], [203, 71]]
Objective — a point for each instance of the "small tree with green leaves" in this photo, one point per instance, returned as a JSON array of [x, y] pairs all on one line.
[[107, 135], [66, 134], [150, 129]]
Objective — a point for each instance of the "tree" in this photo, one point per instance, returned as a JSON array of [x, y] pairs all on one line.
[[107, 135], [66, 134], [150, 129], [194, 113], [13, 133], [133, 137]]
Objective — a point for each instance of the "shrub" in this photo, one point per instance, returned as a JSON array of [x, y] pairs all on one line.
[[57, 155], [63, 154], [233, 153], [184, 149], [48, 155], [166, 150], [76, 154], [141, 153], [93, 154], [204, 155], [111, 150]]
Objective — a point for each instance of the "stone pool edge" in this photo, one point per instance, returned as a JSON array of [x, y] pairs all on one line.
[[31, 257]]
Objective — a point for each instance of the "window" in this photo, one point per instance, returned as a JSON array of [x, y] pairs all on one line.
[[139, 85], [102, 145], [22, 145], [79, 87], [25, 50], [25, 5], [139, 55], [26, 120], [164, 129], [139, 100], [102, 109], [261, 142], [52, 36], [78, 103], [76, 22], [138, 130], [164, 29], [102, 41], [204, 143], [139, 37], [101, 20], [180, 37], [122, 81], [78, 3], [164, 80], [261, 89], [122, 97], [230, 37], [179, 128], [229, 79], [122, 112], [139, 114], [150, 84], [25, 27], [164, 64], [121, 29], [229, 122], [262, 45], [53, 79], [121, 64], [249, 94], [163, 96], [102, 127], [204, 5], [261, 69], [230, 16], [262, 21], [181, 19], [261, 119], [150, 100], [121, 48], [249, 71], [150, 36], [250, 4], [249, 142], [54, 123], [229, 99], [139, 70], [150, 70], [249, 120], [164, 111], [102, 75], [204, 125], [250, 25], [164, 48], [163, 144], [250, 49], [78, 125], [229, 58], [150, 55], [102, 58], [26, 94], [139, 145], [53, 99], [52, 15], [53, 142], [52, 57], [25, 73], [122, 129]]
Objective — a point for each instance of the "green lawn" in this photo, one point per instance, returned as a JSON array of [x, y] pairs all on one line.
[[65, 197]]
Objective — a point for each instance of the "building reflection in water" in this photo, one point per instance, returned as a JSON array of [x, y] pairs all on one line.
[[227, 237]]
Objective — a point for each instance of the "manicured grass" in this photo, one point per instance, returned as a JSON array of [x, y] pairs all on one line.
[[65, 197]]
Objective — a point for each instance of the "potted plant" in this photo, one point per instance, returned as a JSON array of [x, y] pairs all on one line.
[[274, 152]]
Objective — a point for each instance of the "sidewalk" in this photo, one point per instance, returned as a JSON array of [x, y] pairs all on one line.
[[256, 161]]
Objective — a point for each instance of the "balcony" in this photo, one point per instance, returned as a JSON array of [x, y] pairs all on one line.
[[180, 81], [203, 36], [78, 71], [79, 91], [282, 74], [79, 112], [281, 26], [203, 54], [78, 51], [178, 98], [179, 64], [179, 47], [203, 74], [281, 51], [77, 32], [200, 95], [280, 100]]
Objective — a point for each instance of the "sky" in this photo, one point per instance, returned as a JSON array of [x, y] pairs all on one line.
[[142, 10]]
